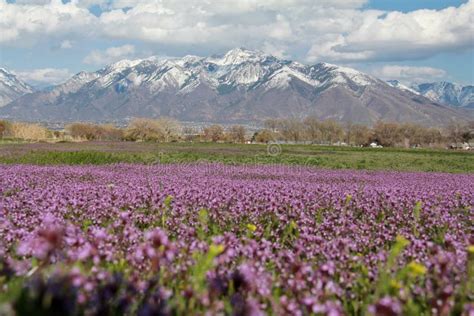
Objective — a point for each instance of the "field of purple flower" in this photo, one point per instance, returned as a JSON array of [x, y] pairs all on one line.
[[237, 240]]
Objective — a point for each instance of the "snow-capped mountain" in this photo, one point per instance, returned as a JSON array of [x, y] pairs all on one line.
[[397, 84], [239, 86], [448, 93], [11, 87]]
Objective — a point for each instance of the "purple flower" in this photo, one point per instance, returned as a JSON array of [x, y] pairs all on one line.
[[387, 306]]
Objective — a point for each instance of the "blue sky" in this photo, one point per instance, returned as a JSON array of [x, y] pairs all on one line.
[[47, 41], [411, 5]]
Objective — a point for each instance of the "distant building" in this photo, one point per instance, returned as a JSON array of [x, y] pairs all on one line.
[[461, 146], [375, 145]]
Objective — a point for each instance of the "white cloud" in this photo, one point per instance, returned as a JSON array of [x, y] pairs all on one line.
[[225, 23], [34, 21], [397, 35], [225, 6], [44, 76], [110, 55], [325, 30], [409, 74], [32, 1], [277, 51], [66, 44]]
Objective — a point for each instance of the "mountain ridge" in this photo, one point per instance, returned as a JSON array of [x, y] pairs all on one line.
[[238, 86], [11, 87], [448, 93]]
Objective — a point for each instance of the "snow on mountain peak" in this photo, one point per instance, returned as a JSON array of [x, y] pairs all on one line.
[[123, 64], [342, 75], [240, 84], [238, 56], [447, 93], [397, 84], [8, 78], [11, 87], [189, 59], [238, 67]]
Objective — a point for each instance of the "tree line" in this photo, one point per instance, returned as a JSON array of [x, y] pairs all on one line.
[[308, 130], [387, 134]]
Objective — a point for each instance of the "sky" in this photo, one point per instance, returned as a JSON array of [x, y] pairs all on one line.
[[45, 42]]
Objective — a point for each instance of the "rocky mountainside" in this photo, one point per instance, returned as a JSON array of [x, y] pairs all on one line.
[[11, 88], [239, 86], [448, 93]]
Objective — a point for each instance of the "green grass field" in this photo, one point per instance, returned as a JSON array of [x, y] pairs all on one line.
[[310, 155]]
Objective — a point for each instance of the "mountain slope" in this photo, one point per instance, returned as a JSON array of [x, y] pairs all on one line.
[[448, 93], [11, 87], [239, 86], [397, 84]]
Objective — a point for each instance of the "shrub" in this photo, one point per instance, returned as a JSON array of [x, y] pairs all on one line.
[[81, 131], [162, 129], [88, 131], [109, 132], [3, 128], [27, 131]]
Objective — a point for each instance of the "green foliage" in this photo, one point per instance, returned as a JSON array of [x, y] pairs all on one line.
[[203, 218], [416, 218], [86, 224], [385, 283], [308, 155], [290, 233], [204, 263], [164, 212]]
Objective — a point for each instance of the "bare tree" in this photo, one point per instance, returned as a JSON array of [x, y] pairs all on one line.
[[170, 128], [331, 131], [387, 134], [3, 128], [412, 134], [236, 134], [291, 130], [360, 135], [469, 133], [432, 136], [264, 136], [348, 130], [213, 133], [312, 128], [144, 129], [458, 132], [189, 134], [272, 124]]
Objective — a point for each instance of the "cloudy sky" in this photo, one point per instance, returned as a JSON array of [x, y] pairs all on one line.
[[46, 41]]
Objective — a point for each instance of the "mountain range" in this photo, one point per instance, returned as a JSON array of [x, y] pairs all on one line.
[[236, 87], [11, 87], [447, 93]]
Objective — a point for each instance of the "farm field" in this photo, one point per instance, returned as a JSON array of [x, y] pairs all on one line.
[[113, 228], [203, 238], [328, 157]]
